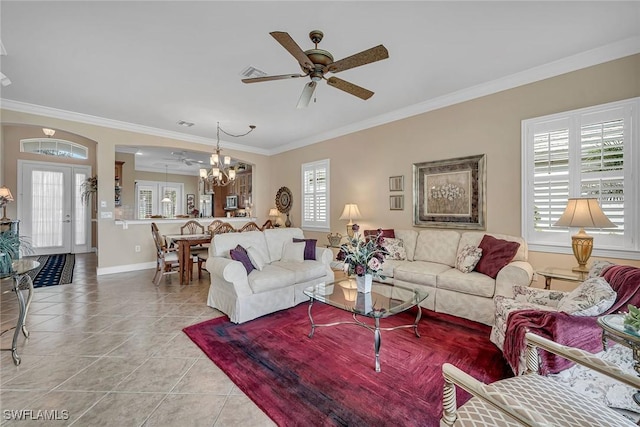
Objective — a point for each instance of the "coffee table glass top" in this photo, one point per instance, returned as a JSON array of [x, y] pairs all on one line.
[[384, 300]]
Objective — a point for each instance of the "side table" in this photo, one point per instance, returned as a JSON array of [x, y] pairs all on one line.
[[21, 281], [550, 273], [613, 328]]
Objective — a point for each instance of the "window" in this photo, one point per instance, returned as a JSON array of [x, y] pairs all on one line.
[[315, 195], [592, 152], [149, 196], [54, 147]]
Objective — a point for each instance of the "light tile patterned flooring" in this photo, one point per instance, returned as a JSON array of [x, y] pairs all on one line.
[[110, 351]]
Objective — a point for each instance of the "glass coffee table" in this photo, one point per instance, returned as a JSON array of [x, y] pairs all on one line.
[[384, 300]]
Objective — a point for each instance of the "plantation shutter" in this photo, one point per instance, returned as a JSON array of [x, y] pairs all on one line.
[[602, 168], [146, 201], [315, 195], [551, 176]]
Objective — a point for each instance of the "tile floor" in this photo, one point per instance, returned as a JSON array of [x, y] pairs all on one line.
[[110, 351]]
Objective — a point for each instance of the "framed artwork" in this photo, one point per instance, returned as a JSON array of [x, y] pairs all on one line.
[[450, 193], [396, 203], [396, 183], [191, 202]]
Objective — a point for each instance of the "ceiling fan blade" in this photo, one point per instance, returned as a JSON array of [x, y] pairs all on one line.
[[368, 56], [292, 47], [307, 94], [344, 85], [268, 78]]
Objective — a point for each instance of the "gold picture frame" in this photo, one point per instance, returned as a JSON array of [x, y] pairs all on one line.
[[450, 193], [396, 203], [396, 183]]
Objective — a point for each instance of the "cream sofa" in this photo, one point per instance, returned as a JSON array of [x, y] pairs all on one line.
[[430, 263], [277, 286]]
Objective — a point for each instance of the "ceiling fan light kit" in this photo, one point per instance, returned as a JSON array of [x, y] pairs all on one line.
[[315, 63]]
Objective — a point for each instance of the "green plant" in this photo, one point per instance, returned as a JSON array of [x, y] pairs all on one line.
[[10, 246], [632, 318], [89, 187]]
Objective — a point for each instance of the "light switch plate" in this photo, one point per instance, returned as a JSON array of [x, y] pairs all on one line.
[[103, 203], [106, 215]]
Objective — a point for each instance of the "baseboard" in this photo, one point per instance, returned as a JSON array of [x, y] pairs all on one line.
[[101, 271]]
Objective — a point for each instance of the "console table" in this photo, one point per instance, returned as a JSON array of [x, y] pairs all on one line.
[[550, 273], [21, 281]]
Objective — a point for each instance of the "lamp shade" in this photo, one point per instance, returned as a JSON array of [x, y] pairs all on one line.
[[584, 212], [5, 193], [273, 212], [350, 212]]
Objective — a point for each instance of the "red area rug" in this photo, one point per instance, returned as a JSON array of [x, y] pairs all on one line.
[[330, 379]]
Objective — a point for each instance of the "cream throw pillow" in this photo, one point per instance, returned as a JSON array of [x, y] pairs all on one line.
[[293, 251], [591, 298], [257, 257]]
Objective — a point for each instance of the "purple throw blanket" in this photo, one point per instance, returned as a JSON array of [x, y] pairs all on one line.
[[563, 328]]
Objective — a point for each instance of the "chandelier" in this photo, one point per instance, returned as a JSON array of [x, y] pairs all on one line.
[[222, 173]]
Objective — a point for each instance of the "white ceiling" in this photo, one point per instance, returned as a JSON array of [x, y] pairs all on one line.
[[152, 64]]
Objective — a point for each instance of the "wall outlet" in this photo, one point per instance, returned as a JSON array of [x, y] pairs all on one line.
[[137, 248]]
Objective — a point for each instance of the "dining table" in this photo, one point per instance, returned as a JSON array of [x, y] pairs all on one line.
[[184, 243]]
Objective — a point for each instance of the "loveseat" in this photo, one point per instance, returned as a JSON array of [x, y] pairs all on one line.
[[280, 270], [430, 259]]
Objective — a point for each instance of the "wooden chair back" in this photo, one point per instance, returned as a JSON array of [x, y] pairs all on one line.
[[213, 225], [192, 227], [250, 226], [267, 224], [225, 227]]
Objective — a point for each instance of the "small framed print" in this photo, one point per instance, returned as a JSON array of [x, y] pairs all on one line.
[[191, 202], [396, 183], [396, 203]]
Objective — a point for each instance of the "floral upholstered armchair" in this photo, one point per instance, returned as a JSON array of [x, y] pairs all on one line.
[[568, 318]]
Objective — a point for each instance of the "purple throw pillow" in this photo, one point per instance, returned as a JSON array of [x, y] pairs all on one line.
[[309, 248], [240, 254], [496, 253]]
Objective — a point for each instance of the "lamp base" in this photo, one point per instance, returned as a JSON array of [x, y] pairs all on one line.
[[582, 245]]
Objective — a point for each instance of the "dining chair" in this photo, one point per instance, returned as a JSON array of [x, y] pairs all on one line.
[[250, 226], [166, 258], [267, 224], [194, 227], [220, 228], [213, 225]]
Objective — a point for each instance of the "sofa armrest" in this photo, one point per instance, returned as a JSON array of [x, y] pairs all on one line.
[[230, 272], [515, 273]]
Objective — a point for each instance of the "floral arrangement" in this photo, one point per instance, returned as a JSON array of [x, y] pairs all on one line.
[[363, 256], [89, 187]]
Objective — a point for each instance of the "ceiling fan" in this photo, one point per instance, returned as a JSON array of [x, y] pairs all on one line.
[[181, 156], [315, 63]]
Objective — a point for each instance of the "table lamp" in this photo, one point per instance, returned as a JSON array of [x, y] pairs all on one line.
[[583, 212], [274, 215], [5, 197], [350, 212]]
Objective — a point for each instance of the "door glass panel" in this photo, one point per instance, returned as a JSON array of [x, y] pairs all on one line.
[[47, 203], [79, 219]]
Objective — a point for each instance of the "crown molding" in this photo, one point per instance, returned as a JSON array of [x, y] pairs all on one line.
[[23, 107], [576, 62], [621, 49]]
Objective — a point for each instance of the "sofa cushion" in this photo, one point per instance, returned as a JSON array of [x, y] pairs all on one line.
[[409, 239], [389, 266], [467, 258], [275, 238], [309, 249], [221, 244], [293, 251], [303, 271], [472, 283], [240, 254], [271, 277], [496, 253], [475, 237], [419, 272], [395, 247], [439, 246], [591, 298]]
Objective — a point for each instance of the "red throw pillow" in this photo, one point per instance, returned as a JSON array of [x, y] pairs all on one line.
[[496, 253], [385, 233]]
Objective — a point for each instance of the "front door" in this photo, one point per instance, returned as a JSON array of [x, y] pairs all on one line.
[[53, 218]]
